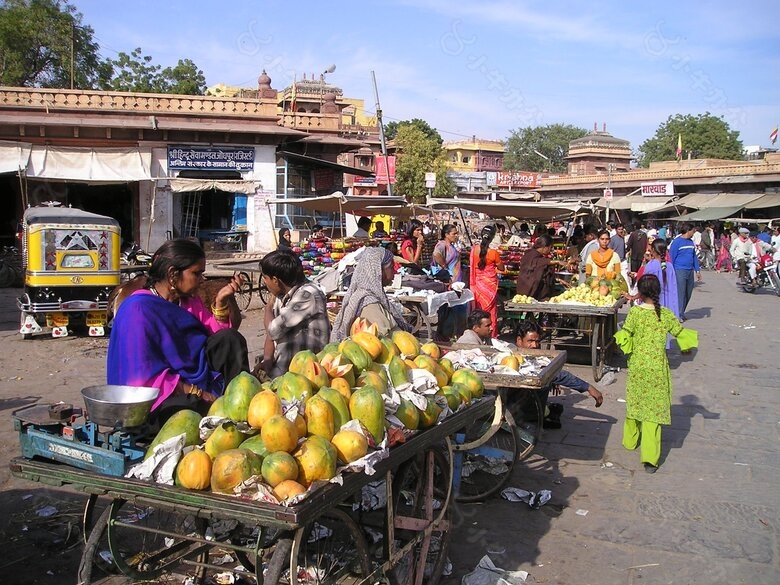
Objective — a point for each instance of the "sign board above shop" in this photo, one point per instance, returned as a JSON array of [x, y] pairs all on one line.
[[205, 158], [658, 189], [513, 179]]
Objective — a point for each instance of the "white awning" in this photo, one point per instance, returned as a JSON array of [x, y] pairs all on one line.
[[227, 185], [522, 210], [90, 165], [355, 204], [14, 156]]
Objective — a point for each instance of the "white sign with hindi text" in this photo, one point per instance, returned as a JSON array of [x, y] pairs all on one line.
[[658, 188]]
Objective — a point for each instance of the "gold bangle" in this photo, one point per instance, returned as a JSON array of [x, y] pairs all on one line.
[[195, 390], [220, 314]]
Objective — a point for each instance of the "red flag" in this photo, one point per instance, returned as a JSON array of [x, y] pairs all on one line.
[[773, 136], [679, 146]]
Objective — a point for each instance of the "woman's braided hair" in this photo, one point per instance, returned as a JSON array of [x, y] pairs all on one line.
[[659, 247], [487, 235], [650, 287]]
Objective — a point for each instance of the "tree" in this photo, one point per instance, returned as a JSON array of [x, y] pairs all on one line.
[[136, 73], [419, 153], [41, 41], [703, 136], [543, 148], [391, 129]]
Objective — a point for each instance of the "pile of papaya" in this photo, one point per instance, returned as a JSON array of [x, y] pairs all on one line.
[[329, 408]]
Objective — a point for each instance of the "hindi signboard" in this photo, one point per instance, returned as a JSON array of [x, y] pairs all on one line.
[[608, 194], [205, 158], [381, 169], [658, 189]]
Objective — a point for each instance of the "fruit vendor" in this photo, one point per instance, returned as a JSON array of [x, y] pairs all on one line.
[[163, 336], [366, 296], [478, 328], [529, 336], [603, 262], [297, 319], [535, 274]]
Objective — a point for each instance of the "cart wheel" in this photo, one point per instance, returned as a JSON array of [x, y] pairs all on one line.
[[262, 290], [528, 413], [244, 294], [492, 452], [142, 543], [421, 492], [598, 351], [330, 549]]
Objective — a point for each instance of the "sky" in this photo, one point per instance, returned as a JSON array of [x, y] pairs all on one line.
[[482, 68]]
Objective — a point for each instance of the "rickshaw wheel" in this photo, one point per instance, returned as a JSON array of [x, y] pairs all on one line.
[[528, 413], [244, 294], [330, 549], [143, 543], [411, 483]]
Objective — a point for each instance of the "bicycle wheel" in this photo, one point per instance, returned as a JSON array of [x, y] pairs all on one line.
[[421, 491], [331, 549], [487, 467], [143, 542], [528, 413], [262, 290], [244, 294]]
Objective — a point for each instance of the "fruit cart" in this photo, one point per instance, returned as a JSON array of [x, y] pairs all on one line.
[[152, 529], [575, 326]]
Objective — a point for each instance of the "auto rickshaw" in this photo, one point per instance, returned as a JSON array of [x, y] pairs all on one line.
[[70, 260]]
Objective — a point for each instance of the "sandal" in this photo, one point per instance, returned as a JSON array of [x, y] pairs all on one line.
[[650, 468]]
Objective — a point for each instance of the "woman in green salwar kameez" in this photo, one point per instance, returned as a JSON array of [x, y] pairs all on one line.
[[649, 385]]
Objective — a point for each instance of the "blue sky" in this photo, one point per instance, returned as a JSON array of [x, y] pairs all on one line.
[[487, 67]]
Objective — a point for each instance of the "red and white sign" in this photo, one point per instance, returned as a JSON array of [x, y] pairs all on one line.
[[381, 169], [608, 194], [518, 179], [658, 188]]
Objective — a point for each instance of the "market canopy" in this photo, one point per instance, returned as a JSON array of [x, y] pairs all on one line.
[[712, 206], [709, 214], [522, 210], [395, 205]]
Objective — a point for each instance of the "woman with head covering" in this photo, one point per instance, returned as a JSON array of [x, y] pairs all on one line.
[[664, 271], [163, 336], [366, 296], [603, 262], [484, 265], [285, 239]]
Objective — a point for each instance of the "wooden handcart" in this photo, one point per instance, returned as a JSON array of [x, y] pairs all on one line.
[[152, 529], [574, 326]]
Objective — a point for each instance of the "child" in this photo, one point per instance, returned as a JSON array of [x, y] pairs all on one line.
[[649, 385]]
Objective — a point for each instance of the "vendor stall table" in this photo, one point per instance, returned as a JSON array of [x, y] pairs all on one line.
[[574, 326]]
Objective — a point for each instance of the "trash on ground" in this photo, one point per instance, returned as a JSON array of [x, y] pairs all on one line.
[[621, 399], [608, 464], [46, 511], [581, 512], [533, 499], [486, 573], [223, 560], [608, 378]]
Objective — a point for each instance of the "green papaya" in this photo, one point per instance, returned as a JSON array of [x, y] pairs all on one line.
[[184, 421], [357, 356], [341, 414], [399, 371], [367, 406]]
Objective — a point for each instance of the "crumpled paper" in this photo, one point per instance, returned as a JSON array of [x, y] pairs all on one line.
[[533, 499], [161, 465], [208, 424], [486, 573]]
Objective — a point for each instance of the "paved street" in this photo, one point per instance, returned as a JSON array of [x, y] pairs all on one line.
[[710, 515]]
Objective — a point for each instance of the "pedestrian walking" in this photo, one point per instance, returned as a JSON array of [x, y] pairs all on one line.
[[724, 256], [682, 253], [649, 383]]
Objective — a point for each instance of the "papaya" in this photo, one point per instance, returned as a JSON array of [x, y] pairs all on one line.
[[369, 342], [288, 489], [291, 386], [300, 359], [356, 355], [182, 422], [339, 404], [316, 460], [335, 367], [399, 371], [367, 406], [471, 379], [446, 365], [342, 386], [510, 361], [319, 417], [389, 350], [362, 324], [264, 405], [300, 425], [350, 445], [371, 378], [255, 445], [430, 415], [463, 392], [217, 408], [279, 434], [407, 344], [194, 470], [431, 349], [426, 362], [225, 436], [408, 414], [230, 468], [278, 467], [239, 394], [452, 396]]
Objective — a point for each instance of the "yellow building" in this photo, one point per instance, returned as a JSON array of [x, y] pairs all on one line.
[[474, 155]]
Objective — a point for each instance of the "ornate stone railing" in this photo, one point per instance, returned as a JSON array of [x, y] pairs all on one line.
[[305, 122], [117, 102]]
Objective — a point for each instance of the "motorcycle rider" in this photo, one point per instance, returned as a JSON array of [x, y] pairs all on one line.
[[755, 251], [741, 251]]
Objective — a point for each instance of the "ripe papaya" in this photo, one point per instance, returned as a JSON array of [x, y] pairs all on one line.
[[279, 434], [183, 421], [342, 386], [399, 371], [264, 405], [231, 467], [319, 417], [300, 359], [194, 470], [371, 378], [225, 436], [339, 404], [431, 349], [350, 445], [426, 362], [408, 414], [239, 394], [292, 386], [278, 467], [367, 406], [217, 408], [361, 324], [369, 342], [446, 365], [316, 460], [407, 344], [356, 355], [388, 351], [471, 379]]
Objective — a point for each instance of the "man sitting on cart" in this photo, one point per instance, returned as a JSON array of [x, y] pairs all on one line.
[[529, 336], [478, 328]]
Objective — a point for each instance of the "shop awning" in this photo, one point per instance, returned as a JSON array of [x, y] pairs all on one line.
[[326, 164], [338, 202], [89, 165], [228, 185], [709, 214], [522, 210], [702, 200], [14, 156]]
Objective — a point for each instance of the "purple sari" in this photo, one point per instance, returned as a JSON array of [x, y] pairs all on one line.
[[669, 297]]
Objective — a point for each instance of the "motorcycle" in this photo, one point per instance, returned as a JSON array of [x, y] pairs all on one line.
[[134, 260], [766, 276]]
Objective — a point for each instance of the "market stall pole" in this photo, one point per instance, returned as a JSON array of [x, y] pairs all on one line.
[[152, 529], [575, 326]]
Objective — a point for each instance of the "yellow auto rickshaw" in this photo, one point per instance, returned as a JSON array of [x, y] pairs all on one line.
[[70, 260]]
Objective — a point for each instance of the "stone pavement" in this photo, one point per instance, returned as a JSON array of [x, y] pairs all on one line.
[[710, 515]]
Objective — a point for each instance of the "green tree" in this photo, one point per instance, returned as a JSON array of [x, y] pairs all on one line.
[[543, 148], [185, 78], [41, 41], [703, 136], [419, 153], [391, 129], [137, 73]]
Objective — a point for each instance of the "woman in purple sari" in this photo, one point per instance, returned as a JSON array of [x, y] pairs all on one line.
[[163, 336], [664, 270]]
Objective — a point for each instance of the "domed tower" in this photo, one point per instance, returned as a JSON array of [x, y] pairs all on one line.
[[593, 153], [264, 89]]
